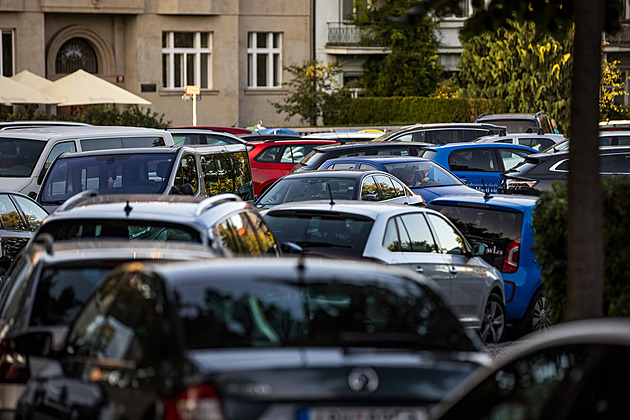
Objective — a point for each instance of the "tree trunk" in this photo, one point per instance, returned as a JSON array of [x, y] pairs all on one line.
[[585, 286]]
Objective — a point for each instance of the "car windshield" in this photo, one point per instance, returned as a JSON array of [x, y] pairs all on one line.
[[288, 190], [18, 157], [144, 173], [500, 230], [61, 292], [329, 234], [428, 174], [66, 230], [264, 312]]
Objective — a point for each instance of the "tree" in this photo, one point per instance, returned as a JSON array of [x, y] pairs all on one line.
[[411, 68], [528, 72], [310, 87], [612, 86]]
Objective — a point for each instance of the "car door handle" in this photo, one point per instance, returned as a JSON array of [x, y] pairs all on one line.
[[453, 270], [419, 269]]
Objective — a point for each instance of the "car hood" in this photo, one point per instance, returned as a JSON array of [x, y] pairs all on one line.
[[429, 193]]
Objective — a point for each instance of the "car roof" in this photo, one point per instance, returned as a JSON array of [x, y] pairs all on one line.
[[361, 208], [381, 159], [200, 148], [49, 132], [514, 135], [282, 139], [361, 145], [468, 145], [332, 173], [513, 201]]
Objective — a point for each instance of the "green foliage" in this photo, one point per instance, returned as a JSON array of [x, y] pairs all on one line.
[[310, 87], [31, 113], [529, 72], [612, 86], [110, 114], [411, 69], [408, 110], [550, 223]]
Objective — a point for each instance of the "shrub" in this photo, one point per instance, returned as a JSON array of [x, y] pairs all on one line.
[[110, 114]]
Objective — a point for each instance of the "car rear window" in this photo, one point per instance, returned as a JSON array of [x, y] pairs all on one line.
[[265, 312], [330, 234], [18, 156], [515, 125], [66, 230], [288, 190], [495, 228]]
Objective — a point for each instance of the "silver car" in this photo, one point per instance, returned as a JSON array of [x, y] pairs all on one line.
[[418, 239]]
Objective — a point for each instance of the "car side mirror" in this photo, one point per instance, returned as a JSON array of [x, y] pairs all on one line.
[[370, 197], [479, 249]]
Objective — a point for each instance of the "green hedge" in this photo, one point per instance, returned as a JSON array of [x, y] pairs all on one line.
[[550, 223], [406, 110]]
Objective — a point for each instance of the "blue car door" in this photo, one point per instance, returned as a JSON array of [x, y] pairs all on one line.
[[478, 166]]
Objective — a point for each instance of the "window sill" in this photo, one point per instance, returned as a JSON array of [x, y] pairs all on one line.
[[265, 91], [180, 92]]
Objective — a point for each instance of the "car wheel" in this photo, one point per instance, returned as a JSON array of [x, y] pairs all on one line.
[[494, 321], [537, 316]]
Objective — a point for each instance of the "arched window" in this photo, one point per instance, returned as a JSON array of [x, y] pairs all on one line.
[[75, 54]]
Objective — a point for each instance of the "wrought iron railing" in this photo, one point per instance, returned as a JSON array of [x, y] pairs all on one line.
[[343, 34], [621, 39]]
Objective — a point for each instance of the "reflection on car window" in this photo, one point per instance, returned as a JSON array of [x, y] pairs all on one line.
[[33, 213], [449, 240], [420, 237], [9, 214]]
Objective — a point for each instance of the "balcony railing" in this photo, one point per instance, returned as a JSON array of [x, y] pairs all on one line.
[[341, 34], [622, 39]]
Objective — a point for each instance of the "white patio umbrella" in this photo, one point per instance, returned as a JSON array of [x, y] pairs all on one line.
[[83, 88], [31, 79], [13, 93]]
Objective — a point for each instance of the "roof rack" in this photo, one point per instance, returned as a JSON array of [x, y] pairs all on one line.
[[77, 198], [215, 200]]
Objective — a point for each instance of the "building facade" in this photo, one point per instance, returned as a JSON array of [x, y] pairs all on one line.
[[235, 50]]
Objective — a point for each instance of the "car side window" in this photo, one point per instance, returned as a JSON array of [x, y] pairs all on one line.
[[269, 155], [391, 241], [341, 165], [227, 237], [472, 160], [187, 173], [245, 235], [9, 214], [421, 239], [265, 237], [449, 240], [292, 154], [617, 163], [369, 187], [32, 212], [367, 166], [242, 175], [398, 188], [59, 148], [511, 158], [14, 280], [387, 188]]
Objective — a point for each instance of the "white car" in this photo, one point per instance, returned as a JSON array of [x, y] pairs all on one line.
[[539, 141], [415, 238]]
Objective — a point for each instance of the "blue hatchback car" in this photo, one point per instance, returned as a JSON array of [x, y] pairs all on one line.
[[479, 164], [424, 177], [503, 223]]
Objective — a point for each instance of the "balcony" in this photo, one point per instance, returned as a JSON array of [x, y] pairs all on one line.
[[350, 39], [621, 40], [93, 6]]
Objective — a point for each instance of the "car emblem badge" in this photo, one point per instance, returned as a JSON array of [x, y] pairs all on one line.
[[363, 379]]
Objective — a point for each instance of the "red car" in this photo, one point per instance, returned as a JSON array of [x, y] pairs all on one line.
[[233, 130], [274, 156]]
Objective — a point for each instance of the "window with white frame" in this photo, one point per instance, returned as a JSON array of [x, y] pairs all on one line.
[[186, 59], [264, 59], [6, 52]]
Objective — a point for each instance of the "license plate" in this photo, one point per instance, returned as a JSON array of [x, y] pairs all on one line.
[[361, 413]]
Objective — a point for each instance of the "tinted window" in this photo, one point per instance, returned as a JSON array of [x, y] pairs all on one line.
[[618, 163], [64, 230], [538, 143], [33, 213], [294, 154], [261, 311], [580, 381], [425, 174], [62, 291], [120, 142], [265, 237], [472, 160], [242, 173], [336, 235], [495, 228], [511, 157], [369, 187], [342, 165], [268, 155], [9, 214], [301, 189], [187, 173], [59, 148], [387, 187], [418, 232], [450, 241], [516, 125], [18, 157]]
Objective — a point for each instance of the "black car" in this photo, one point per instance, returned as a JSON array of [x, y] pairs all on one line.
[[520, 122], [320, 154], [537, 172], [20, 216], [274, 339], [443, 133], [334, 184]]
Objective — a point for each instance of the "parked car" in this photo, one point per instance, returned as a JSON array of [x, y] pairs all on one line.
[[10, 125], [537, 172], [575, 370], [231, 130], [414, 238], [26, 153], [479, 164], [20, 216], [607, 137], [188, 136], [223, 222], [540, 141], [520, 123], [47, 285], [422, 176], [282, 339], [346, 136], [363, 185], [504, 224], [201, 171], [443, 133], [273, 158], [320, 154]]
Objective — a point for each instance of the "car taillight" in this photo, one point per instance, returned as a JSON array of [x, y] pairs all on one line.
[[13, 365], [199, 402], [519, 183], [510, 259]]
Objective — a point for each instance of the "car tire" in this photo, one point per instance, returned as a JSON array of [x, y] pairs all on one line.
[[494, 322], [537, 316]]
